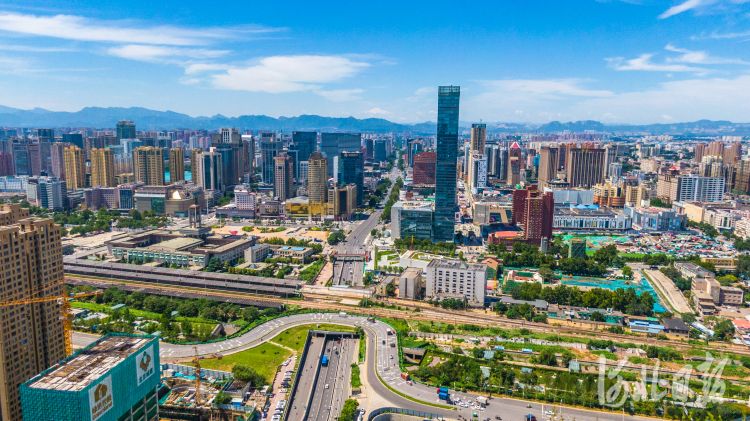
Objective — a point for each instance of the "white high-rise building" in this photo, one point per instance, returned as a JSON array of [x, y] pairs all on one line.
[[455, 277], [477, 172]]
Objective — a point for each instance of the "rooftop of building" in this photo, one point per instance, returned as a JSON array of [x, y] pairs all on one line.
[[583, 210], [176, 244], [411, 272], [93, 362], [298, 200], [456, 264], [423, 205], [675, 324]]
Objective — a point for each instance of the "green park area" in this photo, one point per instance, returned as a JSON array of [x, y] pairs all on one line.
[[265, 359]]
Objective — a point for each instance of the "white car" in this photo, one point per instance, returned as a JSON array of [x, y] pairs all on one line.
[[549, 413]]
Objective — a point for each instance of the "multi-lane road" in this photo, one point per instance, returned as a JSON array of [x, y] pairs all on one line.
[[382, 363], [350, 271]]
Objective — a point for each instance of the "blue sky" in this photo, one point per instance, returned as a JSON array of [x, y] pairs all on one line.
[[614, 61]]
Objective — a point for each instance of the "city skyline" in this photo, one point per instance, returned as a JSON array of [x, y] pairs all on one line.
[[611, 61]]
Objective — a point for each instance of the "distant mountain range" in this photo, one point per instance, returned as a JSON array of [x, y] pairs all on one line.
[[146, 119]]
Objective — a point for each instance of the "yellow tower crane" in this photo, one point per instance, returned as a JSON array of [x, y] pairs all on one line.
[[63, 300], [197, 362]]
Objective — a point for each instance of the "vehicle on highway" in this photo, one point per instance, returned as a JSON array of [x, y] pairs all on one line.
[[549, 413], [324, 361], [326, 386]]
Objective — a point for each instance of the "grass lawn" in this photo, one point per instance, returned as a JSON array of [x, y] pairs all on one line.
[[265, 359], [295, 337]]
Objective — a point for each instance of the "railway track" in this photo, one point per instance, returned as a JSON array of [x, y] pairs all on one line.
[[439, 315]]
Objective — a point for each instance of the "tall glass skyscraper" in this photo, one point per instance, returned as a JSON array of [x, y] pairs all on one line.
[[444, 220]]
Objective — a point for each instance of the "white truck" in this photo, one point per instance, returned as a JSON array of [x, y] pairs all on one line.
[[483, 400]]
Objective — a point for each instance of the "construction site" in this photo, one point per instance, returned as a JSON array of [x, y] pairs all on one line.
[[115, 378], [189, 393]]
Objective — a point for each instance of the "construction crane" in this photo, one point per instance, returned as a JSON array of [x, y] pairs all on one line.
[[63, 300], [197, 362]]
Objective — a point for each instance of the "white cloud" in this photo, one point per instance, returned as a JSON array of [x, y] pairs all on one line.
[[683, 7], [290, 74], [698, 57], [547, 88], [378, 111], [681, 100], [30, 49], [685, 100], [340, 95], [197, 68], [83, 29], [704, 6], [643, 62], [155, 53]]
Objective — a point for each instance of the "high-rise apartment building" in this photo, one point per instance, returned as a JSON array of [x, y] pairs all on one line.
[[102, 168], [228, 143], [478, 137], [6, 164], [534, 210], [585, 166], [148, 165], [333, 144], [176, 165], [352, 171], [26, 158], [283, 186], [424, 168], [716, 148], [32, 336], [700, 152], [444, 220], [317, 184], [733, 153], [57, 153], [75, 168], [125, 130], [270, 148], [548, 164]]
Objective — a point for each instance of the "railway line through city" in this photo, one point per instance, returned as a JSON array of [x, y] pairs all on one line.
[[439, 315]]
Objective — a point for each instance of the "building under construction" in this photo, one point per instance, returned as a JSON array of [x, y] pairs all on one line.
[[113, 379]]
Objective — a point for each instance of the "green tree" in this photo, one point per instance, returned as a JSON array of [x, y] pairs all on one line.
[[248, 374], [688, 318], [390, 289], [349, 411], [627, 271], [250, 313], [222, 398], [724, 330], [136, 215], [597, 317]]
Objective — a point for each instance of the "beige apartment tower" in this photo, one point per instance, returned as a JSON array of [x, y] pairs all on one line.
[[102, 168], [478, 137], [148, 165], [75, 168], [317, 184], [32, 336], [283, 186], [548, 164], [176, 165], [585, 166]]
